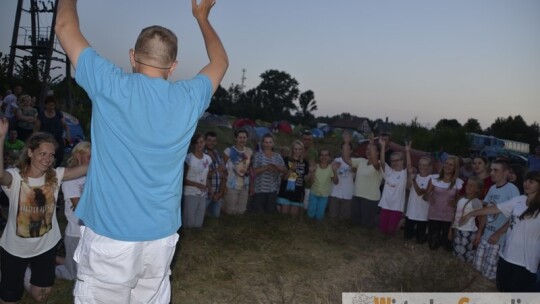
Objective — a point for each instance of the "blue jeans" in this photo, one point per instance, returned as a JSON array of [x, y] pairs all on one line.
[[317, 206], [213, 208]]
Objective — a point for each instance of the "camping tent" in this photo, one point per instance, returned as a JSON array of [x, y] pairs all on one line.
[[75, 129], [317, 133], [215, 120], [243, 122], [261, 131], [282, 126]]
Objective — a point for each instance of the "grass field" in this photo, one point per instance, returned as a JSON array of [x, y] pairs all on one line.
[[277, 259]]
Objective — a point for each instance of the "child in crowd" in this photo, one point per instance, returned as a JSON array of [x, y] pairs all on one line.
[[324, 175], [463, 234], [72, 189], [196, 169], [392, 201], [417, 207], [32, 230]]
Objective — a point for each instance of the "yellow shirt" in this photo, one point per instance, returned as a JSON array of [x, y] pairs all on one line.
[[367, 181], [322, 183]]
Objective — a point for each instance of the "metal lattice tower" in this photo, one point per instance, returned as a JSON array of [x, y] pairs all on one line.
[[34, 40], [243, 79]]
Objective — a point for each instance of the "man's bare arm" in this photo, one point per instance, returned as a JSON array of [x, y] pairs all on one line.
[[219, 61], [68, 31]]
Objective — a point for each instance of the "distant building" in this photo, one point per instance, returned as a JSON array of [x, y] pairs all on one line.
[[350, 122]]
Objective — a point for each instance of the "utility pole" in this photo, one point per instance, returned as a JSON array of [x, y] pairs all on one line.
[[243, 79]]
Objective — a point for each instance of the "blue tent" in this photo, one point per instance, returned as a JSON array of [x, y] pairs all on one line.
[[261, 131], [317, 133]]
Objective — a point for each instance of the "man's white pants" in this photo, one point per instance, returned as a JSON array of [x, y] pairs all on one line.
[[112, 271]]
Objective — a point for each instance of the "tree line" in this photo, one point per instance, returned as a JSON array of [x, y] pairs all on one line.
[[278, 97]]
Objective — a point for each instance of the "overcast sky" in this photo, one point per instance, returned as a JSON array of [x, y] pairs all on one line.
[[401, 59]]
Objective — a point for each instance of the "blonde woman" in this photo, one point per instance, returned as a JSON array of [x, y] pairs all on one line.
[[293, 182], [442, 193], [32, 230], [72, 189]]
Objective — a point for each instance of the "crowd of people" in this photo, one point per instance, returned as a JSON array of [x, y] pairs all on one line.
[[479, 214], [123, 216]]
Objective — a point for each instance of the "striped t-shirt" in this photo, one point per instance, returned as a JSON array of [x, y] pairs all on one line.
[[269, 180]]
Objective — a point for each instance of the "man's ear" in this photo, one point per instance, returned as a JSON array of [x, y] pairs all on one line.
[[172, 68], [132, 57]]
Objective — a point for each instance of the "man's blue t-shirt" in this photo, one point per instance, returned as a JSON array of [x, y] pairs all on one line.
[[141, 128]]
